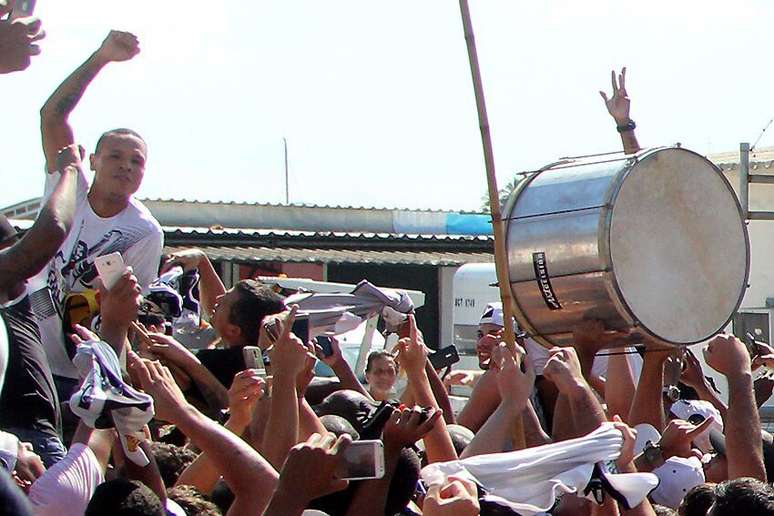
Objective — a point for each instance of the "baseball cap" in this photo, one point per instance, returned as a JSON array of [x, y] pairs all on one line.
[[677, 476], [493, 314]]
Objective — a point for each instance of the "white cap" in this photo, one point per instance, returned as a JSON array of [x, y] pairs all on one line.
[[493, 314], [684, 409], [9, 450], [677, 476]]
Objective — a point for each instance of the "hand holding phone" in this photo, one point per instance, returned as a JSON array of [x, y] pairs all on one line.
[[253, 357], [362, 460], [110, 268]]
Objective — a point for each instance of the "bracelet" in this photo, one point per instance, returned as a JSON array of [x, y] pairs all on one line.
[[628, 126]]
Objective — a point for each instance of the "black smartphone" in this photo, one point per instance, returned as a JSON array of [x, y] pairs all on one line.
[[300, 329], [325, 344], [444, 357]]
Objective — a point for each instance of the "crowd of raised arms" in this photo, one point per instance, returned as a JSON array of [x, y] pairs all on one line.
[[106, 410]]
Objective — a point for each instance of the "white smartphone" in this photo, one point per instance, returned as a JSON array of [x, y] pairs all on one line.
[[254, 359], [110, 267], [22, 9], [362, 460]]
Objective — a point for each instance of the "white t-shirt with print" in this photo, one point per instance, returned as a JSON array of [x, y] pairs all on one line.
[[134, 233]]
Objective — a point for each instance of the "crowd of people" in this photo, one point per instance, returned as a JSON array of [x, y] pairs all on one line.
[[107, 408]]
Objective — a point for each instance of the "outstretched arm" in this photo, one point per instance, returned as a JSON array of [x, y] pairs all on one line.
[[54, 126], [618, 107], [28, 256]]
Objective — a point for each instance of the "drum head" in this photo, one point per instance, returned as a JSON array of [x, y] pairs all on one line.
[[678, 246]]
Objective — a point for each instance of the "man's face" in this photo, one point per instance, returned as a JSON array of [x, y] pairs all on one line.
[[487, 340], [382, 374], [119, 165], [221, 312]]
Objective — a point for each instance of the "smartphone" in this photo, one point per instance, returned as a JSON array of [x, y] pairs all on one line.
[[254, 359], [300, 329], [444, 357], [22, 9], [110, 267], [325, 344], [362, 460], [752, 347]]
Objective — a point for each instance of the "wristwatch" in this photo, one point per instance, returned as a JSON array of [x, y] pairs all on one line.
[[628, 126], [652, 453]]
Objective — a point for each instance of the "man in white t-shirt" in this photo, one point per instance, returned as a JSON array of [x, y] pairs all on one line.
[[108, 218]]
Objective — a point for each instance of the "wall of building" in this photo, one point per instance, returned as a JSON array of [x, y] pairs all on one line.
[[761, 243]]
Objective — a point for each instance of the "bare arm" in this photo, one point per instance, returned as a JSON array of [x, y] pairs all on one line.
[[413, 356], [54, 126], [728, 356], [440, 393], [619, 399], [210, 284], [618, 107], [483, 401], [249, 476], [288, 357], [27, 257], [648, 404], [515, 388]]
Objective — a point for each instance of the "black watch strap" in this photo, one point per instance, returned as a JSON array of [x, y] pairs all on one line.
[[628, 126]]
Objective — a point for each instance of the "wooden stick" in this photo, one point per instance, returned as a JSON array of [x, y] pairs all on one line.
[[500, 253]]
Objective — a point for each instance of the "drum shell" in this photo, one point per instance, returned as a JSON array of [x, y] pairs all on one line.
[[565, 214]]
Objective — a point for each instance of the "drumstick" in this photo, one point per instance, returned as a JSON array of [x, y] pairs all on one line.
[[500, 254]]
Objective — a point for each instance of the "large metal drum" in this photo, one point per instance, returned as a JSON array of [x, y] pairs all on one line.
[[653, 242]]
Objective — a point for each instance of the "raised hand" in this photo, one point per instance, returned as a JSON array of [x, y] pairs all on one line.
[[564, 370], [17, 42], [412, 353], [170, 350], [245, 391], [309, 468], [514, 385], [455, 497], [728, 356], [405, 427], [289, 353], [335, 356], [120, 304], [618, 104], [678, 435], [157, 381], [82, 335], [188, 259], [629, 436], [68, 156], [119, 46]]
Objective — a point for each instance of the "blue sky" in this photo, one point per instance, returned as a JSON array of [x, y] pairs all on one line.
[[375, 98]]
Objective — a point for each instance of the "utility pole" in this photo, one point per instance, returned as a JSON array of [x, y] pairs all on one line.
[[287, 188]]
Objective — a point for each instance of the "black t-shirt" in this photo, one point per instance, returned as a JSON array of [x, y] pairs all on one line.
[[223, 363], [28, 398]]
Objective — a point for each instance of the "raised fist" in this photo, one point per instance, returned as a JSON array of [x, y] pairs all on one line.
[[119, 46]]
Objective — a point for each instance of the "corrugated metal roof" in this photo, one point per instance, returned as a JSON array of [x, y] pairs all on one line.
[[280, 233], [250, 254], [305, 205]]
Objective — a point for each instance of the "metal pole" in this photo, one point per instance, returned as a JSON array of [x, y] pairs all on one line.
[[287, 188], [744, 178]]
